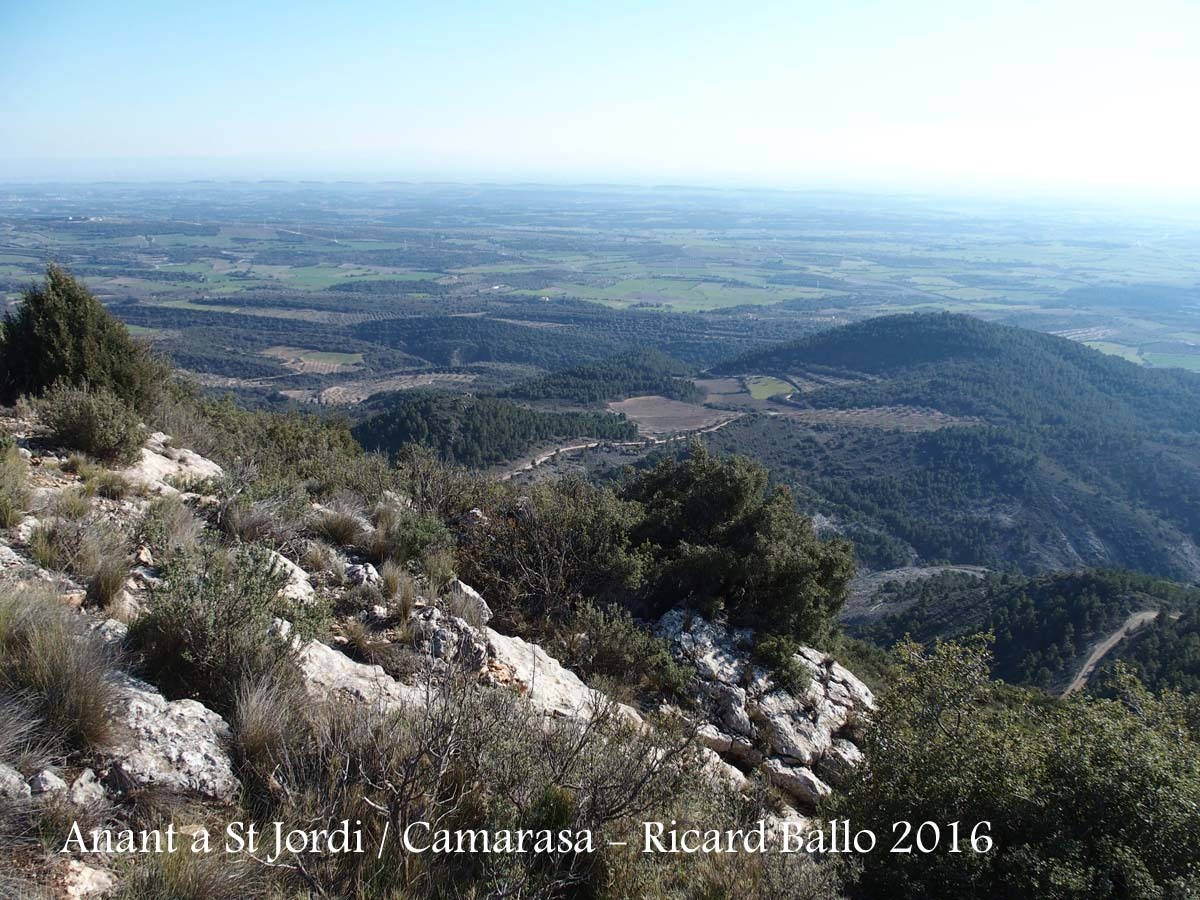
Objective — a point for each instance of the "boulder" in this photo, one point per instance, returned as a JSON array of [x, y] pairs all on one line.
[[12, 785], [86, 790], [362, 573], [161, 464], [798, 781], [81, 881], [297, 587], [548, 685], [329, 673], [177, 745], [46, 782]]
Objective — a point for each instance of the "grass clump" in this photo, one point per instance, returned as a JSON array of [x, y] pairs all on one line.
[[401, 534], [341, 522], [93, 420], [184, 875], [63, 673], [90, 550], [169, 528], [14, 493]]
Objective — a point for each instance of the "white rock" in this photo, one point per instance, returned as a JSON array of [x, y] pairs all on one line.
[[178, 745], [25, 529], [12, 785], [160, 464], [297, 587], [46, 782], [799, 781], [329, 673], [548, 685], [82, 881], [362, 573], [86, 790], [467, 603]]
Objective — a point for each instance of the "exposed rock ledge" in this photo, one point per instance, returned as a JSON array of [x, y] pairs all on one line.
[[800, 742]]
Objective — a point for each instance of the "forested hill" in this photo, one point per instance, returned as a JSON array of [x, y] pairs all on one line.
[[476, 431], [966, 366], [627, 375], [1044, 627], [1058, 456]]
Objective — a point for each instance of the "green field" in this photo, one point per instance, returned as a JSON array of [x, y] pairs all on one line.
[[762, 387]]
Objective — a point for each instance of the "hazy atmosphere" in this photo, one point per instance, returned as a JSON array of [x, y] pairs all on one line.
[[1055, 96]]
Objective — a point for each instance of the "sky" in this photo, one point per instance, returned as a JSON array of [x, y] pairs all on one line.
[[1056, 96]]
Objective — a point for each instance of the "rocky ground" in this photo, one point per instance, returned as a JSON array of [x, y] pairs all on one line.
[[801, 743]]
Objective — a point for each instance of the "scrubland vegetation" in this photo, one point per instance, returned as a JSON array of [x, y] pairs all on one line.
[[1088, 798]]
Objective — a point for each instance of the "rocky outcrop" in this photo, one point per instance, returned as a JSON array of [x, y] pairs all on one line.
[[296, 586], [331, 674], [801, 742], [179, 745], [163, 469]]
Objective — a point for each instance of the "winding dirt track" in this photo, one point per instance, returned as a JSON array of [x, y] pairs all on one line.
[[536, 461], [1104, 647]]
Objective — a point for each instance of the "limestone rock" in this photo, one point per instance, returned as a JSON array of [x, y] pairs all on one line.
[[752, 721], [12, 785], [297, 587], [46, 782], [330, 673], [81, 881], [86, 790], [160, 464], [178, 745], [362, 573], [468, 604]]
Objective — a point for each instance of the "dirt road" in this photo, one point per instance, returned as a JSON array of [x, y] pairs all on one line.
[[1102, 649]]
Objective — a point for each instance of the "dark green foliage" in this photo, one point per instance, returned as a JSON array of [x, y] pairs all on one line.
[[61, 333], [209, 626], [1043, 627], [1165, 655], [477, 431], [606, 642], [722, 542], [1081, 457], [93, 420], [1089, 799], [402, 534], [539, 556], [628, 375]]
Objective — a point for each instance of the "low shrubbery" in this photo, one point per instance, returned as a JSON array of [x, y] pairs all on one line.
[[168, 528], [14, 495], [93, 420], [56, 669], [89, 549], [209, 626]]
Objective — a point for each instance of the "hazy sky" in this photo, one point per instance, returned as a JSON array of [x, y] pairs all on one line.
[[1055, 94]]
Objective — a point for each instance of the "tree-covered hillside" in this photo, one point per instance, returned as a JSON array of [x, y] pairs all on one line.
[[627, 375], [476, 431], [1056, 456], [1043, 627]]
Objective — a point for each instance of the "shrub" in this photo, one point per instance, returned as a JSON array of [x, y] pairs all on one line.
[[108, 484], [169, 528], [70, 504], [60, 333], [606, 642], [94, 420], [184, 875], [394, 579], [341, 523], [778, 655], [403, 534], [14, 495], [91, 550], [273, 521], [64, 673], [209, 626]]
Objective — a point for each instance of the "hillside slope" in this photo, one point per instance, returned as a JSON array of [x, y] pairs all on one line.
[[1057, 456]]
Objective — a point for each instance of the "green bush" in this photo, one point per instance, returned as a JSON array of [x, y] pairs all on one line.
[[60, 333], [606, 642], [401, 534], [90, 550], [94, 420], [209, 626], [169, 528], [778, 654]]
